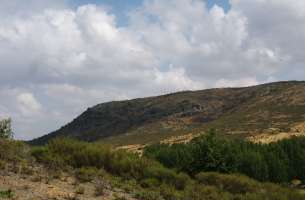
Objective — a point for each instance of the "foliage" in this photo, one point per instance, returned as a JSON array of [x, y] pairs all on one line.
[[152, 181], [13, 151], [144, 177], [87, 174], [236, 184], [88, 159], [276, 162], [6, 129], [203, 192], [6, 194]]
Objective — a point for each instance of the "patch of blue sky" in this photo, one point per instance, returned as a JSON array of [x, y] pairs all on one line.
[[120, 8], [225, 4]]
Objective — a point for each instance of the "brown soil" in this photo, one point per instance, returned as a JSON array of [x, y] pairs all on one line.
[[40, 187]]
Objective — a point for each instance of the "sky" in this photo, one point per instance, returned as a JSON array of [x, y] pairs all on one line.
[[59, 57]]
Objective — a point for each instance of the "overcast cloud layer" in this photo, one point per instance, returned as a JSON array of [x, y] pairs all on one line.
[[56, 60]]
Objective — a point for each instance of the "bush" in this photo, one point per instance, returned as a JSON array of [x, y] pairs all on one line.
[[169, 193], [51, 161], [87, 174], [7, 194], [150, 183], [14, 151], [88, 158], [161, 173], [128, 165], [235, 184], [6, 129]]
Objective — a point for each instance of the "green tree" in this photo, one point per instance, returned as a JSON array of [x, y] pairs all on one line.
[[6, 128], [253, 164]]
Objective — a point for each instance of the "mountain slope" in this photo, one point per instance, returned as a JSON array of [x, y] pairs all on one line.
[[239, 111]]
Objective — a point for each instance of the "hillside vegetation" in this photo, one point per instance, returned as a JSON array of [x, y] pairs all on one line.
[[239, 112], [276, 162], [141, 178]]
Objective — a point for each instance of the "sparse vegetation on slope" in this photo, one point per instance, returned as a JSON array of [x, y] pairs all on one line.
[[240, 112]]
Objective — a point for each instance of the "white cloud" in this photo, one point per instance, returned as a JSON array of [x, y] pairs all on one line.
[[28, 104], [277, 27], [243, 82], [72, 58], [16, 8]]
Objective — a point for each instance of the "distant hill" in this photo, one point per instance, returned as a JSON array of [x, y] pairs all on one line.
[[241, 112]]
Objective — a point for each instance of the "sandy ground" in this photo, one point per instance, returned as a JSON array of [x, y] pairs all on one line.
[[266, 138], [37, 187]]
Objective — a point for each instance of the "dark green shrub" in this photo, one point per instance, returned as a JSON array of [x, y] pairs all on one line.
[[161, 173], [7, 194]]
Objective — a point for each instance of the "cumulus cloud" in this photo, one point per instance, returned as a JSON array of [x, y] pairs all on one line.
[[28, 104], [72, 58]]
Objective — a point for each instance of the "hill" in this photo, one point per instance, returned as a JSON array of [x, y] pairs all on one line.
[[240, 112]]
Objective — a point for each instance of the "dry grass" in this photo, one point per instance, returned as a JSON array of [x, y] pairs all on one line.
[[275, 135]]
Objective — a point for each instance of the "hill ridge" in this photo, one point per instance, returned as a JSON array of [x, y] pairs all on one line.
[[187, 111]]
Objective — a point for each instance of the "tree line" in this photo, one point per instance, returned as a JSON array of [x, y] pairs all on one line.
[[276, 162]]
